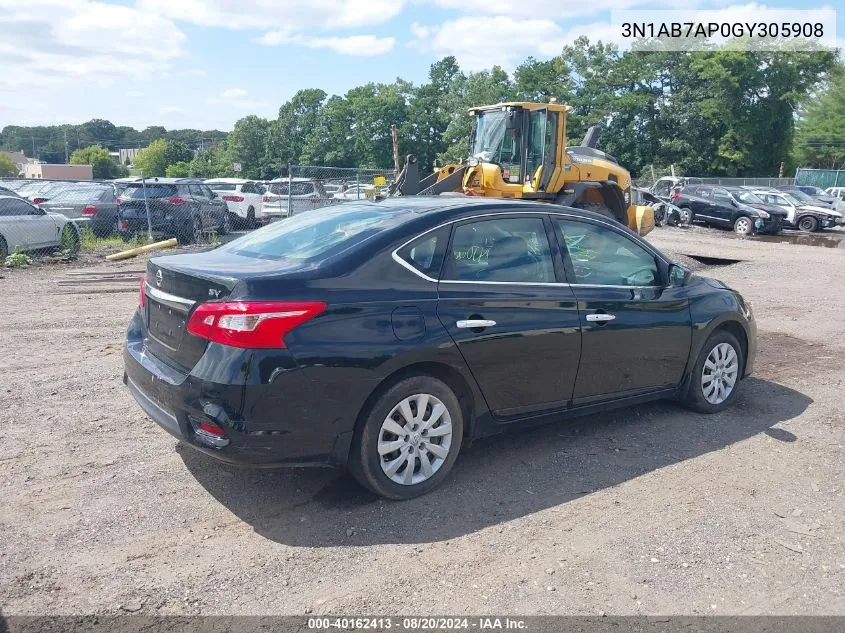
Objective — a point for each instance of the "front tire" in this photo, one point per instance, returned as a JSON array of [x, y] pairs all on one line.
[[714, 380], [409, 440], [685, 215], [250, 218], [4, 250], [743, 226], [69, 240], [808, 224], [225, 224], [597, 207]]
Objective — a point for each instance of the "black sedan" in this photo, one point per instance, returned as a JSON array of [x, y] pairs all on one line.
[[730, 207], [384, 336]]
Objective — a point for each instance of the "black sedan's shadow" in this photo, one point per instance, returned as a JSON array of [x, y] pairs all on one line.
[[498, 479]]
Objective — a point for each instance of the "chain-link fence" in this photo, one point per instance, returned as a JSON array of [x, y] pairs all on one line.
[[822, 178], [61, 218], [652, 175]]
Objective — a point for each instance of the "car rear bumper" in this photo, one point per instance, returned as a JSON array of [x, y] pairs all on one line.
[[283, 422]]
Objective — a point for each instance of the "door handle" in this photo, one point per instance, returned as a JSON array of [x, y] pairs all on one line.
[[471, 324], [600, 318]]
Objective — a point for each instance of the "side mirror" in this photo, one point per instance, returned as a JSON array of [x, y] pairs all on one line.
[[678, 276]]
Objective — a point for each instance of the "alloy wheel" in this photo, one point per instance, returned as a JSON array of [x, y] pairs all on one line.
[[742, 226], [415, 439], [685, 215], [720, 373]]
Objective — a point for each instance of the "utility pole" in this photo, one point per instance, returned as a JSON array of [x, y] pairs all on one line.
[[395, 138], [67, 160]]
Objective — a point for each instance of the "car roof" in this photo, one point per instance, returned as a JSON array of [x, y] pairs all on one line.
[[170, 181], [227, 181]]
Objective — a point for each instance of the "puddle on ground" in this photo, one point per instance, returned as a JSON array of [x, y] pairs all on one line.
[[712, 261], [824, 240]]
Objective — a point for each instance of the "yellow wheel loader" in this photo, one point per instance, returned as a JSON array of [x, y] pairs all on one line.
[[518, 150]]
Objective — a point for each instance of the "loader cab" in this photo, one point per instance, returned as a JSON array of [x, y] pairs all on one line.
[[515, 150]]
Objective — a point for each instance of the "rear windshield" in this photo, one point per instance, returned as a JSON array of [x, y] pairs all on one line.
[[220, 186], [315, 235], [296, 189], [136, 191], [86, 194]]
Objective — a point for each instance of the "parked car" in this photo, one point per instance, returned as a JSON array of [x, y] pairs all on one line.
[[89, 204], [799, 214], [184, 208], [244, 199], [356, 192], [665, 187], [818, 196], [302, 194], [36, 190], [27, 227], [8, 192], [383, 337], [836, 192], [732, 207]]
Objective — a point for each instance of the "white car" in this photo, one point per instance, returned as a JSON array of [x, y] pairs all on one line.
[[805, 217], [243, 198], [836, 192], [26, 227], [356, 192], [302, 194]]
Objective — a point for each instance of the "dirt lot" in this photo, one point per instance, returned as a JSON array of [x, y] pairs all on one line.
[[651, 510]]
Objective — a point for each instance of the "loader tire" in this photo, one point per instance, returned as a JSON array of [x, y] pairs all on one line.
[[597, 207]]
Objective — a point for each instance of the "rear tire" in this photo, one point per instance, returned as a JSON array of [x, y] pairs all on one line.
[[720, 361], [409, 439], [69, 239], [808, 224], [4, 250], [250, 218], [685, 215], [190, 232], [225, 224]]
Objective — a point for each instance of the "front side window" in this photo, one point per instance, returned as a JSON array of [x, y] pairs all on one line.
[[11, 207], [425, 253], [603, 257], [507, 250]]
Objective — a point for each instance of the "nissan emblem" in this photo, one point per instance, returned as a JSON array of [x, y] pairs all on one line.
[[158, 278]]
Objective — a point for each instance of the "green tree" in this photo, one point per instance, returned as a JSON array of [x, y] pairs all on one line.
[[177, 152], [8, 167], [247, 144], [152, 159], [286, 135], [178, 170], [102, 163], [820, 134]]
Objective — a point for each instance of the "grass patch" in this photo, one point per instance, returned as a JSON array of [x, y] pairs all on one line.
[[90, 242]]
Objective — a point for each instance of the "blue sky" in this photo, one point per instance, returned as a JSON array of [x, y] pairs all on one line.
[[207, 63]]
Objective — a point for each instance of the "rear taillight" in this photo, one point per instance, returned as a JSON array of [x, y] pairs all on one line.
[[142, 297], [89, 210], [251, 324], [266, 199], [677, 196], [233, 198], [39, 200], [314, 199], [177, 200], [124, 226]]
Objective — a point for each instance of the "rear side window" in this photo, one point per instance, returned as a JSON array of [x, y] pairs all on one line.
[[10, 207], [506, 250], [216, 186], [316, 235], [136, 191], [87, 194], [425, 253]]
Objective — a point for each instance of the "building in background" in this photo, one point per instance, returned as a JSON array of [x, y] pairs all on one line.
[[19, 159], [127, 155], [58, 172]]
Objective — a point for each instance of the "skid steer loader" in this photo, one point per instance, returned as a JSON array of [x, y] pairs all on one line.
[[518, 150]]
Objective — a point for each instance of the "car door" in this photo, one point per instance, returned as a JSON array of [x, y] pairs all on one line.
[[25, 226], [783, 203], [201, 205], [636, 332], [503, 300], [216, 206], [723, 206]]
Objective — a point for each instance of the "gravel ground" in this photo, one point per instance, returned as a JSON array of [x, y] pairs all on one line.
[[649, 510]]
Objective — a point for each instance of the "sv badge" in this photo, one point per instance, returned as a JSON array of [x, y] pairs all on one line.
[[213, 293]]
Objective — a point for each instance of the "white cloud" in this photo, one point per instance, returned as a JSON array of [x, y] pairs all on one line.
[[50, 42], [134, 93], [356, 45], [171, 109], [478, 42], [293, 14], [548, 8], [237, 98]]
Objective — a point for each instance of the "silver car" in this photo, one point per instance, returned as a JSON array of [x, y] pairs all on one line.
[[26, 227]]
